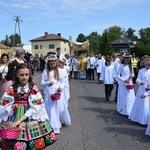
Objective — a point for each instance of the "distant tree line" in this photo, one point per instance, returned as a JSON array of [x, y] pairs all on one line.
[[12, 40], [102, 43]]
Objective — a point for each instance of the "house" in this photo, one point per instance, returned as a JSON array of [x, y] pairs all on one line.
[[4, 49], [122, 45], [48, 43]]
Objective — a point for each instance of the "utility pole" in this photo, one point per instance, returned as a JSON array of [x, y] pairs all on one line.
[[17, 22]]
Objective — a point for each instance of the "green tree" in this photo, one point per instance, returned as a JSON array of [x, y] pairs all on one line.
[[105, 43], [94, 39], [16, 41], [142, 49], [10, 41], [145, 35], [6, 41], [130, 34], [81, 38], [115, 32]]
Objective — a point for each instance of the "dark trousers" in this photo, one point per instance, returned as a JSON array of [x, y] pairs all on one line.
[[75, 74], [108, 90], [88, 74], [98, 76], [92, 74], [135, 74]]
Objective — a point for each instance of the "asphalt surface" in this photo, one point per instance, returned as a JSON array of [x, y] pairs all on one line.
[[96, 125]]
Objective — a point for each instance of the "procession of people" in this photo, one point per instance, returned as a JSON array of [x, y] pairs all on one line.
[[40, 117]]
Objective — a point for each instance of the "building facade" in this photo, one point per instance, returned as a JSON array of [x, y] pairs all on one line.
[[48, 43]]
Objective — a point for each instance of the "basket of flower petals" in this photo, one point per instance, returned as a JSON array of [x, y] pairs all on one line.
[[129, 86], [147, 89], [55, 97], [9, 133]]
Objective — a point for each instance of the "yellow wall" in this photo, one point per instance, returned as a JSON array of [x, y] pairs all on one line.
[[45, 47]]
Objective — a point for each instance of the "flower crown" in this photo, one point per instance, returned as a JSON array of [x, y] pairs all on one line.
[[52, 57]]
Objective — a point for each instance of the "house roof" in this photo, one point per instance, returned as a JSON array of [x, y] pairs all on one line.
[[2, 46], [49, 37], [122, 41]]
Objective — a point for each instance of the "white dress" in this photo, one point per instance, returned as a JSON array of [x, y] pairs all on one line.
[[57, 110], [147, 94], [140, 110], [125, 97], [66, 90]]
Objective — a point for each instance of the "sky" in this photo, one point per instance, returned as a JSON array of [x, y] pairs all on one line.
[[71, 17]]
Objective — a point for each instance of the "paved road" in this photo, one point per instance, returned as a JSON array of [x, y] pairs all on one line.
[[95, 123]]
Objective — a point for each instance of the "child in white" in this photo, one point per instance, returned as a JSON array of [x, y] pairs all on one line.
[[107, 78], [140, 110], [125, 96], [53, 80]]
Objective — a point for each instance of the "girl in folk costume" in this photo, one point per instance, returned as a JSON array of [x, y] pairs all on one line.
[[140, 110], [126, 94], [53, 80], [107, 78], [23, 106], [4, 66]]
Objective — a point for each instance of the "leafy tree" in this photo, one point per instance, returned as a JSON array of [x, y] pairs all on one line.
[[94, 39], [130, 34], [10, 41], [145, 35], [142, 49], [81, 38], [5, 41], [105, 44], [115, 32]]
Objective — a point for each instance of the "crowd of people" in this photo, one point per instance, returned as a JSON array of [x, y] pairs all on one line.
[[40, 117], [123, 71]]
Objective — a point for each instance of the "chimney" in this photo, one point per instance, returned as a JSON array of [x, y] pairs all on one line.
[[46, 34], [59, 34]]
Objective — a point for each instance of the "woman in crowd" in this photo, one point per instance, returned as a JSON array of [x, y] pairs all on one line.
[[20, 53], [3, 73]]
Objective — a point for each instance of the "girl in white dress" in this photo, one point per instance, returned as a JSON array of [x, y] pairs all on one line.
[[140, 110], [147, 94], [53, 80], [66, 90], [125, 96]]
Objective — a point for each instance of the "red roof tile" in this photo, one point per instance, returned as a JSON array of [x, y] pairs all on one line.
[[49, 37], [2, 46]]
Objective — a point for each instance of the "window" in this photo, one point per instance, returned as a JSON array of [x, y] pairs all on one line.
[[36, 47], [51, 46], [40, 46]]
